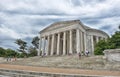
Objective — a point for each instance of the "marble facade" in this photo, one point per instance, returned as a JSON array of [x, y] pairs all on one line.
[[68, 37]]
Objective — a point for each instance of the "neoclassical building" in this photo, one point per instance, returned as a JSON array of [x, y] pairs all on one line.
[[69, 37]]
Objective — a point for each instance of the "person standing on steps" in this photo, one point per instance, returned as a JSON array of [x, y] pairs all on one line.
[[87, 53], [79, 55]]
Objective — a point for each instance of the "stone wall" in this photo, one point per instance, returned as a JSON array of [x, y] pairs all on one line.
[[112, 55]]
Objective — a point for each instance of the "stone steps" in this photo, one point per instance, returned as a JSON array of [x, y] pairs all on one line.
[[22, 73], [71, 61]]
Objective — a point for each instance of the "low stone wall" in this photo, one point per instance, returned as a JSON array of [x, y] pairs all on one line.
[[112, 55], [22, 73]]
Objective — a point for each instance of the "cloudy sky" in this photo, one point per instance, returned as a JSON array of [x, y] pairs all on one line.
[[25, 18]]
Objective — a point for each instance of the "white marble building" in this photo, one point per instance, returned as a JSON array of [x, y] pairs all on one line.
[[69, 37]]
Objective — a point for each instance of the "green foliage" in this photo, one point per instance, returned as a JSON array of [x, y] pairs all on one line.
[[10, 52], [22, 45], [32, 52], [100, 47], [115, 39], [35, 42], [2, 52], [98, 51], [22, 55], [110, 43], [119, 27]]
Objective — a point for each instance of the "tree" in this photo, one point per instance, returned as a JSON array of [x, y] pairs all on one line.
[[10, 52], [119, 27], [2, 52], [115, 40], [100, 47], [35, 42], [22, 45], [110, 43], [32, 51]]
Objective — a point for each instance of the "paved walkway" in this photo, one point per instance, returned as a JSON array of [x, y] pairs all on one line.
[[61, 70]]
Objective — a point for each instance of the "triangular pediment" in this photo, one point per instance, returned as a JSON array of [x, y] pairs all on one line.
[[62, 24]]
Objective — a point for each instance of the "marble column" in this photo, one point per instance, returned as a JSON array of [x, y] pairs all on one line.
[[81, 41], [44, 43], [105, 39], [77, 40], [58, 44], [102, 38], [64, 43], [70, 48], [48, 42], [97, 39], [40, 45], [92, 44], [85, 42], [52, 44]]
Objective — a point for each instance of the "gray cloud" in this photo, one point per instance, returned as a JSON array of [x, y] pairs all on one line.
[[25, 18]]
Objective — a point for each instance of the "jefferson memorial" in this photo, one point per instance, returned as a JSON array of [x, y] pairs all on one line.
[[69, 37]]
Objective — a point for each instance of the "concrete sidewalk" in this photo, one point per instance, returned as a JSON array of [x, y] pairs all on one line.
[[61, 70]]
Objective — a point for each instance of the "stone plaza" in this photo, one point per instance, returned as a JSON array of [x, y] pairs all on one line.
[[69, 37]]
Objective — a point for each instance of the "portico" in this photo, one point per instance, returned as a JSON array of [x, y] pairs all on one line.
[[67, 37]]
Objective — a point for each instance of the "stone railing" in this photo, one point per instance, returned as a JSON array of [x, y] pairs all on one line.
[[112, 55]]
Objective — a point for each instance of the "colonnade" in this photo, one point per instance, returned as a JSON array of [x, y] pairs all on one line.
[[63, 43], [93, 40]]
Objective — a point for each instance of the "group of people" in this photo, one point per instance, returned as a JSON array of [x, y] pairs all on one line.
[[86, 53], [11, 58]]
